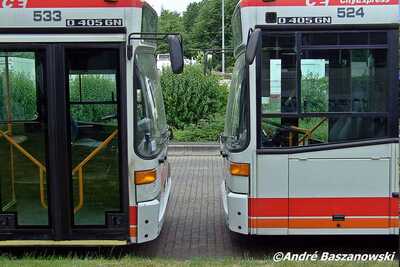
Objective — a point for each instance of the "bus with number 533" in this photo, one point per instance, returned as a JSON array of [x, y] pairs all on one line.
[[83, 132]]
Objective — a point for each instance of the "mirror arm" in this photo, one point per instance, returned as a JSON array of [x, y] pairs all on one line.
[[148, 36], [129, 51]]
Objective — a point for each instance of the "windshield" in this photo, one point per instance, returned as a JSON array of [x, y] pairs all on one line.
[[321, 88], [151, 129]]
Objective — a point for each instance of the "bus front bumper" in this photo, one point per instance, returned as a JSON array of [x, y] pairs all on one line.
[[236, 210]]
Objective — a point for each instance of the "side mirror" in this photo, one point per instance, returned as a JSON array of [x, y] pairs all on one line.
[[252, 46], [176, 54], [144, 126]]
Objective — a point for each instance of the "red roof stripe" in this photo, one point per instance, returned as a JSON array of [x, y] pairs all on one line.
[[73, 3], [253, 3]]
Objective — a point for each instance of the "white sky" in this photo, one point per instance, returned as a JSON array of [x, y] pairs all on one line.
[[174, 5]]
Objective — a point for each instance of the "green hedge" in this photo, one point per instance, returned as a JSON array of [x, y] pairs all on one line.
[[192, 97], [24, 98], [205, 131]]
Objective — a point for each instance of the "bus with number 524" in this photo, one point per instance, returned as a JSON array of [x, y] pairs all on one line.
[[311, 141]]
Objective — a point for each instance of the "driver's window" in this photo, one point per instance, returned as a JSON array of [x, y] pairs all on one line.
[[150, 114], [236, 126]]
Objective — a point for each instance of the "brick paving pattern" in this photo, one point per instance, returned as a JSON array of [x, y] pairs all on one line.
[[195, 227]]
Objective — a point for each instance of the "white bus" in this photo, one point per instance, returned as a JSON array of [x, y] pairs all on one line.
[[311, 136], [83, 132]]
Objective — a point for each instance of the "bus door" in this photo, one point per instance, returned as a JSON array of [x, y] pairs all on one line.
[[61, 135]]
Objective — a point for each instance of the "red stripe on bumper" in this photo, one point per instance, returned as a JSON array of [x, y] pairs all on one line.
[[303, 207]]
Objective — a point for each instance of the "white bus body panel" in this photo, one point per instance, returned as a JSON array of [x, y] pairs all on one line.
[[359, 172], [145, 201]]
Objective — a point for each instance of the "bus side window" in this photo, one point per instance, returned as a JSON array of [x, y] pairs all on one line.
[[236, 126], [151, 125]]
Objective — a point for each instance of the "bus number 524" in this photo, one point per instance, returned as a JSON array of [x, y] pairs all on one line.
[[350, 12]]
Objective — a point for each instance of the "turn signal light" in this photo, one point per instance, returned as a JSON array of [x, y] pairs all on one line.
[[240, 169], [145, 177]]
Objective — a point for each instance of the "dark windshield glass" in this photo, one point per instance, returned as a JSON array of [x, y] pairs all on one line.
[[333, 87]]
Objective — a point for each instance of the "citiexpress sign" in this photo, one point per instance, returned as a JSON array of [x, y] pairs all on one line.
[[13, 3]]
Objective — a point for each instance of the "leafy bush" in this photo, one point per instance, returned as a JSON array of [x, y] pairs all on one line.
[[94, 88], [314, 93], [192, 97], [23, 97], [204, 131]]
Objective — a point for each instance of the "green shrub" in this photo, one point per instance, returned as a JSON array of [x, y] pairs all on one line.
[[192, 97], [314, 93], [94, 88], [23, 97], [205, 131]]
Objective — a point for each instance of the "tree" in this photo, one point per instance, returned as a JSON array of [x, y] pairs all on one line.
[[169, 21], [201, 28], [206, 30], [189, 18]]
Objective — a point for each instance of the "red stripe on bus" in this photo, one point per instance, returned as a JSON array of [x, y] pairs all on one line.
[[395, 207], [133, 215], [268, 207], [302, 207], [288, 3], [354, 223], [80, 4]]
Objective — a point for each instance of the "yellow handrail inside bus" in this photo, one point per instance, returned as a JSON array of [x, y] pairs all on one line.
[[42, 168], [310, 132], [81, 166], [8, 136]]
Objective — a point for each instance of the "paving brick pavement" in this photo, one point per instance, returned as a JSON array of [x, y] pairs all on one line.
[[194, 225]]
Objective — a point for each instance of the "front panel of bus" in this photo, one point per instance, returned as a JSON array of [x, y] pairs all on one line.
[[83, 157], [323, 148]]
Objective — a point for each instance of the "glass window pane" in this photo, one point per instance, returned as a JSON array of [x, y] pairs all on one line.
[[152, 128], [320, 39], [18, 86], [354, 38], [93, 93], [333, 83], [279, 74], [236, 125], [23, 170], [344, 80], [299, 132], [314, 85]]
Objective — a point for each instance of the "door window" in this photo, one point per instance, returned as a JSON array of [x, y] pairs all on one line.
[[93, 89], [23, 127]]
